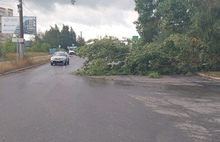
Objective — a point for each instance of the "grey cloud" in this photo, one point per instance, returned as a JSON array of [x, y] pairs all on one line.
[[121, 4], [92, 12], [46, 4], [115, 17]]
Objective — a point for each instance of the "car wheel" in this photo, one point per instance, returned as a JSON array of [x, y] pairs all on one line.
[[51, 64]]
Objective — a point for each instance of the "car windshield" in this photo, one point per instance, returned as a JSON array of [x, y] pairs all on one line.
[[59, 54]]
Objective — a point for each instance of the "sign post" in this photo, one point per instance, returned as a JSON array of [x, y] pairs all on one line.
[[17, 49], [17, 40]]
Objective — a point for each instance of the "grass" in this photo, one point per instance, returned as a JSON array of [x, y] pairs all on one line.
[[213, 74], [35, 54], [12, 64], [13, 56]]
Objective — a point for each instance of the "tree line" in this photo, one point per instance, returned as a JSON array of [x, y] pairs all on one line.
[[42, 42], [55, 38]]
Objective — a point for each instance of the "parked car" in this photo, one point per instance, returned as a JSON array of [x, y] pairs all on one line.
[[60, 57]]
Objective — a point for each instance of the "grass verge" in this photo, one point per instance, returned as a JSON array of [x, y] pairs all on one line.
[[13, 56], [212, 74], [22, 63]]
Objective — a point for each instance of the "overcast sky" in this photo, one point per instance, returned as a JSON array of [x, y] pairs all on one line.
[[95, 18]]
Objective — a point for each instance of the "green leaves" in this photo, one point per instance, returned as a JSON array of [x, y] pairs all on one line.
[[177, 37], [104, 57], [54, 37], [176, 14], [188, 33], [40, 47], [73, 2], [147, 22], [9, 46]]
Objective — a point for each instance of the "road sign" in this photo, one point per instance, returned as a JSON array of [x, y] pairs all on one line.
[[135, 38], [9, 24], [17, 40]]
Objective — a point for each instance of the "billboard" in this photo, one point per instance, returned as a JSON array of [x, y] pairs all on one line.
[[11, 25]]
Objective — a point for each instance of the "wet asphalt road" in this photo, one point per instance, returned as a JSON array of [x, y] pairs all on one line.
[[49, 104]]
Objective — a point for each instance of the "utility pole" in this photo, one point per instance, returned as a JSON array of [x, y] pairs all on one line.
[[21, 47]]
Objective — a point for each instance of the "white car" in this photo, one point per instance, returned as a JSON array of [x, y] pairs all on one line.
[[72, 50], [60, 57]]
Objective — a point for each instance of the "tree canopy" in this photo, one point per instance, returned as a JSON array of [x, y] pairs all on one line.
[[73, 1], [64, 37], [198, 21], [176, 37]]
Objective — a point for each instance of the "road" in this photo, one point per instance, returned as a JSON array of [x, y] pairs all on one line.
[[50, 104]]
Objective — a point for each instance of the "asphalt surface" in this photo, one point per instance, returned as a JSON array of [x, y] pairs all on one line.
[[50, 104]]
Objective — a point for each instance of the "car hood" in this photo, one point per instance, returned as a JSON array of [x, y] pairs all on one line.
[[59, 57]]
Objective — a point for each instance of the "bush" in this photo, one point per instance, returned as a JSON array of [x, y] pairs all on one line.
[[2, 50], [153, 75], [39, 47], [10, 47]]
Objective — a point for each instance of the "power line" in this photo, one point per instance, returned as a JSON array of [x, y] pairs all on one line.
[[41, 20], [29, 9], [38, 18], [12, 4]]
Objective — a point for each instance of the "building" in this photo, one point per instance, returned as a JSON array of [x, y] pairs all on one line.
[[4, 12]]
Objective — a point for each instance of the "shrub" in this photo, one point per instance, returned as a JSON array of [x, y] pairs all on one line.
[[153, 75]]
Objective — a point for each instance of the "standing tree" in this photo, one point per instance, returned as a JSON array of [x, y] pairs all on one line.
[[68, 37], [175, 14], [73, 1], [52, 37], [147, 23], [73, 35], [80, 41]]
